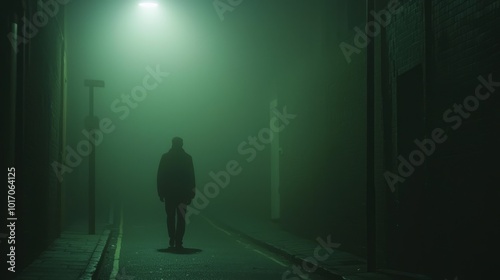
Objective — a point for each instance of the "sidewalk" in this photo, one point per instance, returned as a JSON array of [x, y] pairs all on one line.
[[339, 265], [74, 255]]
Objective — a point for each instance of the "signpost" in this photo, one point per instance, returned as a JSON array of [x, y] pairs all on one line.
[[91, 124]]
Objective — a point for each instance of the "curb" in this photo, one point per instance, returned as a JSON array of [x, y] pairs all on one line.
[[321, 270], [95, 261]]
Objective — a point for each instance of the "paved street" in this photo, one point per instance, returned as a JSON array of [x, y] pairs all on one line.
[[210, 252]]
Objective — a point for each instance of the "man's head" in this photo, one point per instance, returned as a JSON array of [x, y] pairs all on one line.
[[177, 142]]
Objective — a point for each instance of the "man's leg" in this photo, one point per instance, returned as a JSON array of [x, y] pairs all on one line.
[[181, 224], [170, 209]]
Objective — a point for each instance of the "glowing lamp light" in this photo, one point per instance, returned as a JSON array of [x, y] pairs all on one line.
[[148, 5]]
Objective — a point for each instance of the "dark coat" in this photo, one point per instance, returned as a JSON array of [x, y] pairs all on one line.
[[175, 179]]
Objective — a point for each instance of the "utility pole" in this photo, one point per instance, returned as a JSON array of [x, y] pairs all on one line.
[[92, 123]]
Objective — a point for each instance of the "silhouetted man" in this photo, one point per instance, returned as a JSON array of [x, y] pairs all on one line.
[[176, 187]]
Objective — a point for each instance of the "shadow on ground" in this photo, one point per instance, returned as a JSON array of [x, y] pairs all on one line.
[[180, 251]]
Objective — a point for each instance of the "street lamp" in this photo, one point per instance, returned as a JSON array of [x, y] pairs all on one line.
[[148, 4]]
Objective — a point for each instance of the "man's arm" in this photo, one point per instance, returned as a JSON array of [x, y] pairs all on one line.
[[192, 181]]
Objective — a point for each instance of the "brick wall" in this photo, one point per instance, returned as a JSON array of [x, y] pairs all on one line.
[[38, 138], [454, 204]]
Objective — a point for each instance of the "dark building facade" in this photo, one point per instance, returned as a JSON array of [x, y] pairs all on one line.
[[33, 91]]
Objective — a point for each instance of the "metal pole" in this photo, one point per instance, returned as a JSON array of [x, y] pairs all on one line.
[[91, 169], [91, 126]]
